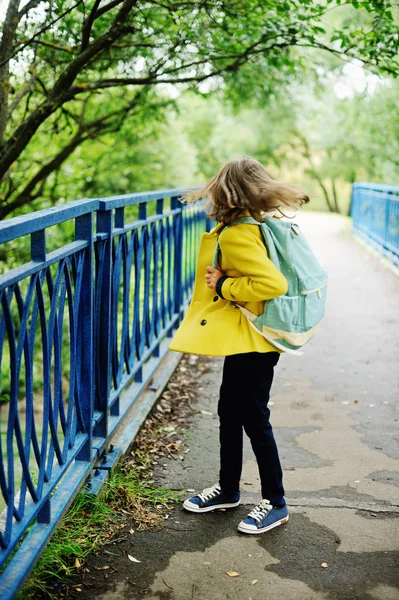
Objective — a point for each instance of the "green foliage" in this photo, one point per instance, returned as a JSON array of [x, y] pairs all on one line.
[[80, 80]]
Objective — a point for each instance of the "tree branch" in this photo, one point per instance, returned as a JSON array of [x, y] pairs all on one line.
[[88, 24], [110, 123], [25, 9], [154, 79], [27, 194], [107, 7], [52, 45], [346, 57], [61, 91], [5, 60], [24, 90]]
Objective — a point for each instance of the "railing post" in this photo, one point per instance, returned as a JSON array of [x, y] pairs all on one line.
[[387, 215], [352, 202], [103, 322], [178, 257], [84, 231]]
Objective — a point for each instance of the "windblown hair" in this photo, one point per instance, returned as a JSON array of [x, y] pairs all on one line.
[[246, 185]]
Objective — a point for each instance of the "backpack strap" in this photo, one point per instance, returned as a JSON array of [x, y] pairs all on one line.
[[239, 221], [246, 220], [215, 262]]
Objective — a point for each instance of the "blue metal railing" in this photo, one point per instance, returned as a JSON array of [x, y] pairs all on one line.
[[375, 214], [82, 329]]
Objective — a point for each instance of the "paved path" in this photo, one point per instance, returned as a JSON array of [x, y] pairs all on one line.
[[335, 415]]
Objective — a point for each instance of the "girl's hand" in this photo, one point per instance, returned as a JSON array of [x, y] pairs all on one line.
[[212, 276]]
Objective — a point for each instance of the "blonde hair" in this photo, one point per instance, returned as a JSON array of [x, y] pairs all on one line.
[[246, 185]]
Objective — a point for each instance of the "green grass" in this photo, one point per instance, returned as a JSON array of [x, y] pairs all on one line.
[[128, 496]]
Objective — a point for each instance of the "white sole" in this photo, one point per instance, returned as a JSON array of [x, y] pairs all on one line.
[[252, 531], [191, 507]]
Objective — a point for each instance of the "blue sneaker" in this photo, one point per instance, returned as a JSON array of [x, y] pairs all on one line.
[[264, 517], [211, 499]]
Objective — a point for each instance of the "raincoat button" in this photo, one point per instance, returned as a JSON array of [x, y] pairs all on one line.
[[216, 298], [203, 322]]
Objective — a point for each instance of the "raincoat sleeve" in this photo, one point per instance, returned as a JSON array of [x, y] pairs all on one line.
[[259, 277]]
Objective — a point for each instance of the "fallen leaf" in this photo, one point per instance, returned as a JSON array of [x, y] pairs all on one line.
[[131, 531], [78, 589], [78, 564], [133, 559], [356, 401], [254, 581], [324, 565], [232, 573], [102, 568]]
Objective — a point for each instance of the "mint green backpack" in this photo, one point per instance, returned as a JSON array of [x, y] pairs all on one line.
[[289, 321]]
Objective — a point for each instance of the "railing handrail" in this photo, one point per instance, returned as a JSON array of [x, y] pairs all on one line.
[[96, 312], [140, 197], [10, 229], [15, 227], [378, 187]]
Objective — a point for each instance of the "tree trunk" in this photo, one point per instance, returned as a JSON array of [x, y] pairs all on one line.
[[10, 26], [335, 196], [352, 180], [325, 192]]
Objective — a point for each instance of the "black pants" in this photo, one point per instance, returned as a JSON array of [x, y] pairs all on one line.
[[244, 394]]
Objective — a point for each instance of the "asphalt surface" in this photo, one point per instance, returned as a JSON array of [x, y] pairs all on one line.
[[335, 415]]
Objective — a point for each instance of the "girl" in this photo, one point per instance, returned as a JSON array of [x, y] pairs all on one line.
[[214, 326]]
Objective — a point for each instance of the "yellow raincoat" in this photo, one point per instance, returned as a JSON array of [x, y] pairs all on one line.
[[213, 326]]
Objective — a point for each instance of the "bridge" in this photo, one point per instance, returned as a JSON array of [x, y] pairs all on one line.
[[85, 327]]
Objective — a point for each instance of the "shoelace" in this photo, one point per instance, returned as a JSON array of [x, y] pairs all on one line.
[[210, 493], [261, 510]]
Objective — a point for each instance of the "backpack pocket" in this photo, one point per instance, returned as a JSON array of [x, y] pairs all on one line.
[[314, 283], [313, 306], [283, 312]]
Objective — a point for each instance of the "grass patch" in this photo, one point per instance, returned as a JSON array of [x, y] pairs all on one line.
[[93, 520]]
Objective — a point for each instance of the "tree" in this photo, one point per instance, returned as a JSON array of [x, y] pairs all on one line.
[[346, 139], [78, 69]]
